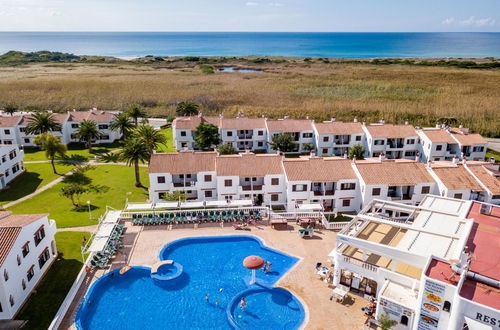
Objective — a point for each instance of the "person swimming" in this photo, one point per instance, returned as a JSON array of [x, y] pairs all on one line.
[[206, 297], [243, 303]]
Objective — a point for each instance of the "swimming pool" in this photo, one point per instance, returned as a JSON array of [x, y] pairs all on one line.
[[211, 265]]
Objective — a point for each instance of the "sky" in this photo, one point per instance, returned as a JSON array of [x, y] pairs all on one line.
[[252, 15]]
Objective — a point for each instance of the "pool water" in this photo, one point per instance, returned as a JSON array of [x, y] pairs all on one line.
[[211, 265]]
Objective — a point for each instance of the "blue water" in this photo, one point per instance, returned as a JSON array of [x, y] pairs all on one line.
[[344, 45], [134, 300]]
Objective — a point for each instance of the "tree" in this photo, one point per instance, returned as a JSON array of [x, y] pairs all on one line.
[[72, 191], [226, 149], [284, 142], [135, 111], [385, 323], [87, 132], [175, 196], [122, 123], [10, 108], [53, 147], [206, 135], [42, 122], [308, 146], [150, 136], [357, 151], [135, 151], [187, 108]]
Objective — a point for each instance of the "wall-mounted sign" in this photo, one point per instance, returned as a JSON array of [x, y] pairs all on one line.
[[432, 304]]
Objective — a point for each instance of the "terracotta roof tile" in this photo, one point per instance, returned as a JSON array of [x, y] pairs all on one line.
[[394, 173], [319, 169], [9, 121], [339, 128], [243, 123], [488, 177], [467, 139], [438, 135], [8, 236], [99, 116], [391, 131], [193, 122], [60, 118], [290, 125], [249, 165], [457, 178], [183, 162], [20, 220]]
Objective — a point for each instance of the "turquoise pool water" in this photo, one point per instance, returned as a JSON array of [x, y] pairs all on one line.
[[211, 265]]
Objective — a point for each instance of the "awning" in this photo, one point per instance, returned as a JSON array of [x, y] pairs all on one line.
[[310, 207], [98, 244], [105, 230], [476, 325], [191, 205], [240, 202], [112, 217], [139, 206], [166, 205]]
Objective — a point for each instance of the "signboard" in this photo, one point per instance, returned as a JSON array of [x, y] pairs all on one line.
[[394, 309], [432, 304]]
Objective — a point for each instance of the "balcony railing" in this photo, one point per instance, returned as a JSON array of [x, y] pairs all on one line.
[[184, 184], [360, 263], [245, 136], [323, 193], [253, 187]]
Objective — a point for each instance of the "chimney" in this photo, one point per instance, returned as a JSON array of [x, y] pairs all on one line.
[[200, 114], [247, 149], [354, 159], [355, 120], [381, 121], [417, 156], [491, 160], [278, 151], [185, 149], [429, 163], [345, 155], [285, 117], [381, 157], [312, 154], [406, 122], [455, 159], [74, 110], [438, 126], [333, 119], [464, 160], [95, 109], [363, 123], [307, 117]]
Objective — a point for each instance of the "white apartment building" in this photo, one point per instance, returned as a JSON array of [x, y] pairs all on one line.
[[335, 138], [488, 176], [394, 180], [244, 133], [184, 127], [13, 128], [432, 266], [328, 181], [454, 180], [472, 145], [11, 163], [393, 141], [302, 131], [437, 144], [27, 249]]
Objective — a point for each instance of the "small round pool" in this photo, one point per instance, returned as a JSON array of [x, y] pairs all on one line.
[[267, 308], [167, 272]]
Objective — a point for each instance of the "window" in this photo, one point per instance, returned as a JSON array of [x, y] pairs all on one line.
[[22, 129], [346, 202], [325, 139], [347, 186], [104, 137], [26, 140], [307, 135], [30, 273], [160, 179], [275, 197], [208, 178], [11, 300], [260, 133], [404, 320], [23, 284], [378, 142], [426, 189], [358, 138], [18, 260], [26, 249], [103, 126], [228, 183], [39, 235], [7, 131], [229, 133], [4, 158], [161, 195], [208, 193], [410, 141], [7, 142], [446, 306], [477, 149], [376, 192], [439, 147], [183, 133], [12, 155], [5, 275], [7, 173], [410, 153], [184, 145], [275, 181], [43, 258], [299, 187], [325, 151], [1, 309], [260, 144], [458, 196], [74, 125], [15, 168]]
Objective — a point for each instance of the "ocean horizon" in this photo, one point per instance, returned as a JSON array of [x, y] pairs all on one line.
[[289, 44]]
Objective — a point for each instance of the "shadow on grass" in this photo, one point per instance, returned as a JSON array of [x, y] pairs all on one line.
[[43, 304]]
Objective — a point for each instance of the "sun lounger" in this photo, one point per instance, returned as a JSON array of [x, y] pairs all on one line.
[[306, 232]]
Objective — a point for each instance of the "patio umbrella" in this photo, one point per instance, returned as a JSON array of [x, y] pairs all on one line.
[[253, 263]]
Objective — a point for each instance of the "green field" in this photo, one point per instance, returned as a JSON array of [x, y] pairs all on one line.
[[35, 177], [50, 293], [493, 153], [169, 147], [119, 179], [76, 151]]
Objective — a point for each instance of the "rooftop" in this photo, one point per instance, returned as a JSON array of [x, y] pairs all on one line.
[[400, 294], [243, 123], [457, 178], [98, 116], [339, 128], [290, 125], [9, 121], [318, 169], [183, 162], [408, 173], [391, 131], [193, 122], [488, 176], [465, 138], [438, 135], [249, 165]]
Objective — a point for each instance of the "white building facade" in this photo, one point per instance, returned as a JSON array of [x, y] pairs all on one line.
[[392, 141], [28, 249], [11, 163], [334, 138]]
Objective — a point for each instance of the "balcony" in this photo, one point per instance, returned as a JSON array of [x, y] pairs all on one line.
[[245, 136], [318, 192], [184, 184], [251, 187], [342, 141]]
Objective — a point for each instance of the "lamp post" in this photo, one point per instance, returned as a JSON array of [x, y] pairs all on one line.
[[90, 214]]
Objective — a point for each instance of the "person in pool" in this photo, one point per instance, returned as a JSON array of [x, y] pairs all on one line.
[[206, 297], [243, 303]]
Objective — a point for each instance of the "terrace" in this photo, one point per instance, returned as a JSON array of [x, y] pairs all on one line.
[[184, 180], [323, 188]]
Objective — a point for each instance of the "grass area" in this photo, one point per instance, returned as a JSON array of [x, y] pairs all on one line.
[[41, 307], [493, 153], [169, 147], [119, 179], [393, 91], [338, 218], [76, 151], [35, 176]]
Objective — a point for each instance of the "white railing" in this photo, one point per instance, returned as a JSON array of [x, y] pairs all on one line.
[[263, 211], [339, 225], [361, 264], [294, 215]]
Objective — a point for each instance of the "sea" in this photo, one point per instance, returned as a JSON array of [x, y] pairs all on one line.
[[292, 44]]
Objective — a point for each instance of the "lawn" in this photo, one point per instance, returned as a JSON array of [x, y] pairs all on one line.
[[119, 179], [493, 153], [76, 151], [51, 291], [36, 176], [169, 147]]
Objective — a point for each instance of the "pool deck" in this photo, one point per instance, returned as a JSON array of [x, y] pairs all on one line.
[[143, 244]]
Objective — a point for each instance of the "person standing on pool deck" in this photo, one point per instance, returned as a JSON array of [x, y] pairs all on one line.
[[243, 303]]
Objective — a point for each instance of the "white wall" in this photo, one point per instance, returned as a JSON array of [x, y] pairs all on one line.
[[8, 166]]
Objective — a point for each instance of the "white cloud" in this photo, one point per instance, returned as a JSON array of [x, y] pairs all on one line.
[[251, 3], [276, 4], [471, 21]]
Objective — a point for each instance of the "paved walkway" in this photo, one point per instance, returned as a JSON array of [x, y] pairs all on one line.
[[494, 144], [89, 229]]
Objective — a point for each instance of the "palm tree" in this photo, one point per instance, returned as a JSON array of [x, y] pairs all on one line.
[[135, 151], [187, 108], [151, 137], [42, 122], [122, 124], [87, 132], [10, 108], [53, 147], [135, 111]]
